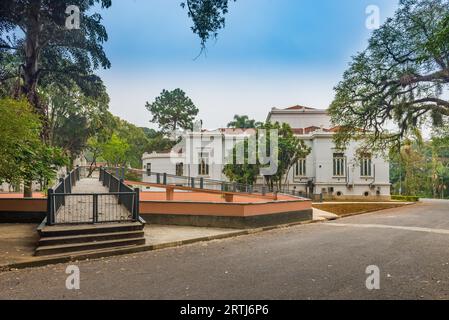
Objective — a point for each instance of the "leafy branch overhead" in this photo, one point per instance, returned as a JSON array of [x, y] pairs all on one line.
[[207, 17], [401, 78]]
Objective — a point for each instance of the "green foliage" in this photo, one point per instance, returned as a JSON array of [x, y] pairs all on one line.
[[173, 110], [73, 117], [207, 17], [157, 141], [399, 78], [136, 139], [115, 151], [245, 173], [48, 52], [421, 168], [290, 150], [405, 198], [23, 156], [243, 122]]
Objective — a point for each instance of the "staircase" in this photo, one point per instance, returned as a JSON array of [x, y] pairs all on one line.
[[77, 239]]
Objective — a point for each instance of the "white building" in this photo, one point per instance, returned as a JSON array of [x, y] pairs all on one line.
[[326, 171]]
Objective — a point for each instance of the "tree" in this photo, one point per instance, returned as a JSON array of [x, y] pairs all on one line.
[[419, 167], [207, 17], [400, 77], [24, 157], [289, 150], [73, 118], [157, 141], [113, 131], [51, 53], [136, 139], [45, 51], [115, 151], [243, 122], [173, 110]]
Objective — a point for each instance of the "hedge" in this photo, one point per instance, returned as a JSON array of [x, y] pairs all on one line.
[[405, 198]]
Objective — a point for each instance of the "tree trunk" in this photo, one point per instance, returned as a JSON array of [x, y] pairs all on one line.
[[30, 69], [28, 189]]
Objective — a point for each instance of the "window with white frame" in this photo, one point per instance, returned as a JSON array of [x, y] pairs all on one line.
[[203, 166], [300, 168], [339, 165], [148, 169], [365, 166]]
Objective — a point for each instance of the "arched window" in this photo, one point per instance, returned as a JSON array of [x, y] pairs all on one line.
[[203, 166], [180, 169]]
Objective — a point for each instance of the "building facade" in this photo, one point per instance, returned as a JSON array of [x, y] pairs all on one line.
[[326, 172]]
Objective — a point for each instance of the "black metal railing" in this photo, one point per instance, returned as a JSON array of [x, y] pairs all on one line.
[[120, 204], [93, 208], [126, 196], [55, 200], [202, 183], [192, 182]]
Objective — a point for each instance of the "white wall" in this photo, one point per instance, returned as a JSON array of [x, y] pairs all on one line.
[[302, 120]]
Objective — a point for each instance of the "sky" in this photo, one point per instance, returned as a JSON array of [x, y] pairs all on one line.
[[272, 53]]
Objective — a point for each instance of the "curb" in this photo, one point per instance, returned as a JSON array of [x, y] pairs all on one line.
[[41, 262], [369, 211]]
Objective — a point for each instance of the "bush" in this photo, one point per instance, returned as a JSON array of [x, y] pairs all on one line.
[[405, 198]]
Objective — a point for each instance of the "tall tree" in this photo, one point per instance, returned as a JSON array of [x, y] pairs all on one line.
[[243, 122], [400, 77], [49, 51], [173, 110]]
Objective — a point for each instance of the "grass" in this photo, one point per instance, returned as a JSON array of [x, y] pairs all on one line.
[[346, 209]]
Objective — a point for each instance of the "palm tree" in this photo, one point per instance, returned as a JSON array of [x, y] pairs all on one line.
[[243, 122]]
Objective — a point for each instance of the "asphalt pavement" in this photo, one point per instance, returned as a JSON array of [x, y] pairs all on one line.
[[408, 245]]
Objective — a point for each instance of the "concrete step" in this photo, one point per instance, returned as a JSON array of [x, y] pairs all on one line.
[[95, 245], [74, 230], [51, 241], [98, 253]]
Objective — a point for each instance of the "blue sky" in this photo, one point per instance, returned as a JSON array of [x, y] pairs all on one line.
[[272, 53]]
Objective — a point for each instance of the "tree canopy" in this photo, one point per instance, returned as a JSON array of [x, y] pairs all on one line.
[[24, 157], [243, 122], [49, 52], [289, 150], [401, 78], [173, 110]]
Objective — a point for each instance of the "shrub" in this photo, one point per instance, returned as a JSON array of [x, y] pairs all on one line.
[[405, 198]]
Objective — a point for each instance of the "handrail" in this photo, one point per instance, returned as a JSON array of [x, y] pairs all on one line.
[[127, 201], [123, 192], [64, 186], [226, 186]]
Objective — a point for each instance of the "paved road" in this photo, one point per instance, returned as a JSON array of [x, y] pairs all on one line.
[[319, 261]]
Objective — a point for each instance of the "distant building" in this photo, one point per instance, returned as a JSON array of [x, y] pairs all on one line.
[[326, 171]]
